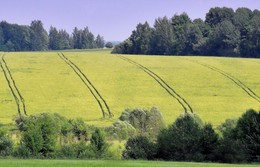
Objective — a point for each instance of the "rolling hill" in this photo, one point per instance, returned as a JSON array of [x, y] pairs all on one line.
[[97, 86]]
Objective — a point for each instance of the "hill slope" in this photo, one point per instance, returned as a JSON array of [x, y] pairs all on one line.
[[87, 83]]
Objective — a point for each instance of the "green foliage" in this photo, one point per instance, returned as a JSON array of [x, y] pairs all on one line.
[[59, 40], [248, 132], [227, 127], [99, 41], [40, 135], [223, 33], [6, 144], [230, 150], [139, 147], [145, 121], [187, 139], [121, 129], [241, 139], [217, 15], [84, 39], [39, 36], [15, 37], [79, 129], [209, 142], [98, 143], [109, 45]]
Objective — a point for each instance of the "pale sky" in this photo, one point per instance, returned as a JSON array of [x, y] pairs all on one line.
[[113, 19]]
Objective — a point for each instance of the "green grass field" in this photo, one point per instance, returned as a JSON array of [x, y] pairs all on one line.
[[48, 84], [101, 163]]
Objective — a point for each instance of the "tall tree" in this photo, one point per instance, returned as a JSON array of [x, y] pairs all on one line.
[[53, 39], [100, 42], [163, 37], [39, 36], [217, 15], [140, 39], [1, 38], [64, 40], [77, 38], [182, 140], [182, 30], [248, 131], [15, 37], [88, 39], [224, 39]]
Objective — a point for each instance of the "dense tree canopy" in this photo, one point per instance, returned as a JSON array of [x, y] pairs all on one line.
[[224, 32], [14, 37]]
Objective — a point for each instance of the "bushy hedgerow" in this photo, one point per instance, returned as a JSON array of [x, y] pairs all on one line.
[[188, 139], [139, 147], [6, 144]]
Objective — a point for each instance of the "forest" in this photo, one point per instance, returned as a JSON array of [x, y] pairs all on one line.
[[14, 37], [224, 32]]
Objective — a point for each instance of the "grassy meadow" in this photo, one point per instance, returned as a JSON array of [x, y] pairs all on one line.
[[48, 84], [101, 163]]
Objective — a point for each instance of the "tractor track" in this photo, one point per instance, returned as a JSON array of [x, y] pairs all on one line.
[[185, 105], [19, 100], [238, 82], [89, 85]]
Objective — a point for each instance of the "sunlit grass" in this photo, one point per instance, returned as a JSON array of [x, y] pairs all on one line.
[[102, 163], [49, 85]]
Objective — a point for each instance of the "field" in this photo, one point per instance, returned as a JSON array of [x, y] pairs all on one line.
[[100, 163], [95, 84]]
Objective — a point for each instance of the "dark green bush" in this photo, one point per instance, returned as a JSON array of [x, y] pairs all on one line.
[[209, 142], [248, 132], [230, 150], [98, 143], [6, 144], [182, 140], [40, 135], [139, 147]]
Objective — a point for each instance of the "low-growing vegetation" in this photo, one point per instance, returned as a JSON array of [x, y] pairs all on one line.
[[187, 139]]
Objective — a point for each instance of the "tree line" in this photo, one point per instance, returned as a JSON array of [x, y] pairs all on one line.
[[224, 32], [49, 135], [189, 139], [14, 37]]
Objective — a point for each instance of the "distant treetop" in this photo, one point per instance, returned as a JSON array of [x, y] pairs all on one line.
[[14, 37], [224, 32]]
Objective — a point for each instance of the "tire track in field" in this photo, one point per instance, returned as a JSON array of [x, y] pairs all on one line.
[[19, 100], [185, 105], [100, 100], [238, 82]]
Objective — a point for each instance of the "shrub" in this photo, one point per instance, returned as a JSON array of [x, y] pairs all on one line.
[[121, 130], [80, 129], [139, 148], [230, 151], [98, 143], [68, 151], [6, 144], [186, 140], [40, 135], [145, 121], [109, 45], [227, 127], [248, 132], [209, 142]]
